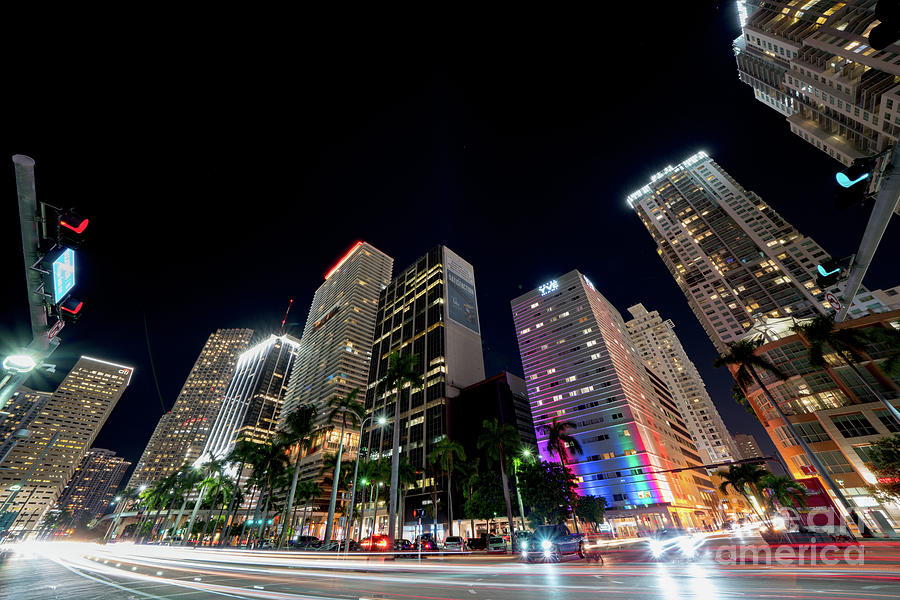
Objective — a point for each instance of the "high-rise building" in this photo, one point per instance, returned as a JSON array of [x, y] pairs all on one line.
[[254, 397], [811, 61], [740, 265], [502, 397], [658, 346], [747, 446], [581, 367], [430, 310], [15, 418], [181, 433], [34, 473], [336, 347], [90, 491], [836, 412]]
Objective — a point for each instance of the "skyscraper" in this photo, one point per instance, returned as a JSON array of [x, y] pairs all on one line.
[[431, 310], [740, 265], [659, 347], [811, 61], [15, 418], [336, 346], [581, 367], [747, 446], [90, 491], [253, 399], [181, 433], [34, 473]]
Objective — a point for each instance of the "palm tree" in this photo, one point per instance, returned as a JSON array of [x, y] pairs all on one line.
[[269, 462], [783, 490], [298, 429], [444, 452], [402, 371], [497, 440], [211, 471], [468, 480], [243, 453], [743, 358], [848, 343], [126, 496], [559, 440], [348, 408], [745, 480], [306, 491]]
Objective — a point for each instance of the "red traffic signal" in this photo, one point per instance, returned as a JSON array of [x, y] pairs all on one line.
[[72, 229], [70, 310]]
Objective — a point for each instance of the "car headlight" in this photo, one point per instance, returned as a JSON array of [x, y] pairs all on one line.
[[546, 544], [686, 544], [656, 548]]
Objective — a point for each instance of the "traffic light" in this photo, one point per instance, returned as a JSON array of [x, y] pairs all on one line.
[[854, 181], [888, 31], [832, 270], [72, 229], [70, 310]]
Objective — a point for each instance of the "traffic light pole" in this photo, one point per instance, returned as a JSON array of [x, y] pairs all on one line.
[[885, 203], [42, 345]]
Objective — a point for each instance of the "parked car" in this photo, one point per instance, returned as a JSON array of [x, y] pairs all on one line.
[[551, 543], [375, 543], [404, 549], [305, 542], [486, 541], [427, 542], [496, 544], [454, 543]]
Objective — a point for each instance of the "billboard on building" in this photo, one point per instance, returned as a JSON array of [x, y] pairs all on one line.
[[462, 305]]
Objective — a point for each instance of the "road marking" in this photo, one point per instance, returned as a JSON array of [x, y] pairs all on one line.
[[472, 592], [258, 587], [196, 579]]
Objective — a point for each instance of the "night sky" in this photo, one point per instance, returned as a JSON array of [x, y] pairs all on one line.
[[222, 179]]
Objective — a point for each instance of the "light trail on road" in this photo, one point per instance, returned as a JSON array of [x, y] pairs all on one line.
[[187, 573]]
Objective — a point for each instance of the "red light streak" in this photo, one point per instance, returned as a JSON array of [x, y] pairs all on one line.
[[343, 259]]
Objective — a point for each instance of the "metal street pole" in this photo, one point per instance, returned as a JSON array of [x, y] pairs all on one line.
[[42, 345], [885, 203], [353, 489]]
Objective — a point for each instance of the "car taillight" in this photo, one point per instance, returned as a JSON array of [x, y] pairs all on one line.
[[382, 543]]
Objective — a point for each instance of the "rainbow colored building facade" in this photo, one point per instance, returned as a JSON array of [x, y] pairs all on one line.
[[581, 367]]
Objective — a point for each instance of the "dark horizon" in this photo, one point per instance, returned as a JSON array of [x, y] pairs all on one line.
[[219, 190]]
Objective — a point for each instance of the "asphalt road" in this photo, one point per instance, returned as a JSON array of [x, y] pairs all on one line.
[[68, 571]]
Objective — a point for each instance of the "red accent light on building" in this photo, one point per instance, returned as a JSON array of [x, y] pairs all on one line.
[[888, 480], [76, 228], [343, 259], [75, 310]]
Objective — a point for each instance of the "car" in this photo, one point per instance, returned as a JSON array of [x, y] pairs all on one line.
[[305, 542], [375, 543], [454, 543], [404, 549], [496, 544], [486, 541], [551, 543], [674, 543], [426, 542]]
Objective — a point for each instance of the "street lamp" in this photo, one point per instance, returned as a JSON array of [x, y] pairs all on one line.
[[526, 454], [381, 421], [19, 363]]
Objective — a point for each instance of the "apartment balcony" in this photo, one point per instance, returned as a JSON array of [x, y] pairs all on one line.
[[828, 140]]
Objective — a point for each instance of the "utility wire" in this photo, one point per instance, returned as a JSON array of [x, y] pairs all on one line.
[[152, 366]]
